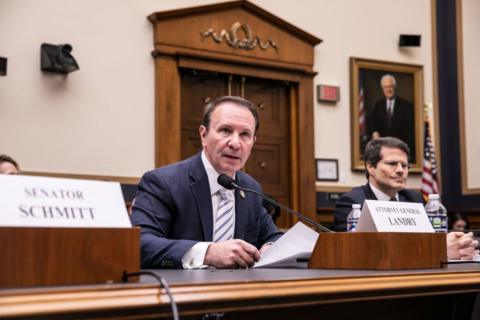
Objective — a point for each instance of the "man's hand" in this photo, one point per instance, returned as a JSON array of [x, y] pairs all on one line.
[[233, 253], [265, 247], [461, 246]]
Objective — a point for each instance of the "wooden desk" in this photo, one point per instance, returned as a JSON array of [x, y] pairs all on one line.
[[261, 293]]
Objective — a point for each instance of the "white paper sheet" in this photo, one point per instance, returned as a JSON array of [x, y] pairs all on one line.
[[297, 243]]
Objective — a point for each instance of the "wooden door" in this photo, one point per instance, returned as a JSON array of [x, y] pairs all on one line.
[[269, 162]]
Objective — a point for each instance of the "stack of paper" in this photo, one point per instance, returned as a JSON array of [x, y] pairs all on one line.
[[292, 250]]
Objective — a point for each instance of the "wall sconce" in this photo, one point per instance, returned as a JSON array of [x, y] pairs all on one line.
[[57, 58]]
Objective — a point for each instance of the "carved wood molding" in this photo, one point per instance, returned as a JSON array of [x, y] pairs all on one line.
[[249, 42]]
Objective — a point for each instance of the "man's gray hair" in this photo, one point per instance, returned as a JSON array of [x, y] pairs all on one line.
[[388, 76]]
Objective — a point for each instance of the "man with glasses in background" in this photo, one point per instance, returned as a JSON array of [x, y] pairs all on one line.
[[386, 168]]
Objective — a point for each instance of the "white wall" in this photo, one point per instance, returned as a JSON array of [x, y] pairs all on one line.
[[99, 120], [471, 78]]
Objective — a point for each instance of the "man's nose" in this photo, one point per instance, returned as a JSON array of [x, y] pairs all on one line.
[[399, 168], [234, 141]]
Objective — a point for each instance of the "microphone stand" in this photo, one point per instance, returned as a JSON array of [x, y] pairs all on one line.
[[300, 216]]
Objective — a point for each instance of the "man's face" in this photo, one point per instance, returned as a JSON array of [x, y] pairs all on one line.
[[8, 168], [391, 172], [229, 139], [388, 88]]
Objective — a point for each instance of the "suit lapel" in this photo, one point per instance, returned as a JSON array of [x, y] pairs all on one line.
[[401, 197], [241, 209], [369, 195], [201, 193]]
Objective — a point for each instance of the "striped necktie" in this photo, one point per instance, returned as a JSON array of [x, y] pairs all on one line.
[[224, 219]]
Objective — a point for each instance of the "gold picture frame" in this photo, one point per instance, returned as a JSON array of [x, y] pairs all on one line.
[[367, 97]]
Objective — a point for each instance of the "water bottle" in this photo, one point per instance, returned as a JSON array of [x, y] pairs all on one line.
[[437, 213], [353, 217]]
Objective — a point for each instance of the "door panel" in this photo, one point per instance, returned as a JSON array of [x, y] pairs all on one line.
[[270, 160], [199, 87], [271, 99]]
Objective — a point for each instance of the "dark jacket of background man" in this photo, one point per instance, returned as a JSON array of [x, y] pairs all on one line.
[[359, 195]]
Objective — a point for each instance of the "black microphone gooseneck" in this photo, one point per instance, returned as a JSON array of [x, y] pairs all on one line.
[[228, 183]]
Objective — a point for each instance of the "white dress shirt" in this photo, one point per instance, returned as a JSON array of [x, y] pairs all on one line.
[[194, 257], [380, 195]]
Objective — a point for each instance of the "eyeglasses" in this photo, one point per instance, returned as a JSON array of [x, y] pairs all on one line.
[[394, 164]]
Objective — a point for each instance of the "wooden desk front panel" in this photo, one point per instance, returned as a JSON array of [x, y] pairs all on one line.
[[393, 294]]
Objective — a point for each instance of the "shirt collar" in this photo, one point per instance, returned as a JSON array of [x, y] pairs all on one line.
[[212, 175], [380, 195]]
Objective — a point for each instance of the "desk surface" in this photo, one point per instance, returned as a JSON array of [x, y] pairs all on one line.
[[241, 291], [210, 276]]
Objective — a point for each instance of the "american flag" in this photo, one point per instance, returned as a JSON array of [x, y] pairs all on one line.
[[361, 110], [429, 172]]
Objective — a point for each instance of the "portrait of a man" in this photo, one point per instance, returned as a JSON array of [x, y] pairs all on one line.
[[392, 116], [386, 102]]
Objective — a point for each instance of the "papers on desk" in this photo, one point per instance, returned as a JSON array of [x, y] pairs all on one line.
[[292, 250], [476, 259]]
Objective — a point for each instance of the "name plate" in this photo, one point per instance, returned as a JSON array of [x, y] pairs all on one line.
[[27, 201], [393, 216]]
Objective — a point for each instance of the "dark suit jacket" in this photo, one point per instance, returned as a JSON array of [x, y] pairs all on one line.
[[173, 207], [359, 195], [402, 122]]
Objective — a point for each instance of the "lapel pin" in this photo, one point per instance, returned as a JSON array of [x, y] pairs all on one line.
[[242, 194]]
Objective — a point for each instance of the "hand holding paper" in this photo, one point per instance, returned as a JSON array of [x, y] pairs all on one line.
[[298, 242]]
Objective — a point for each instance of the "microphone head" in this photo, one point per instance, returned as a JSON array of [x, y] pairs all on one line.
[[226, 181]]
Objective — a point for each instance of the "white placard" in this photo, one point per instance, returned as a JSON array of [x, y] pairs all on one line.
[[27, 201], [393, 216]]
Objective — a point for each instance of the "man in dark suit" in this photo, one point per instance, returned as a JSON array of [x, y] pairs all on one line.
[[393, 116], [187, 219], [386, 168]]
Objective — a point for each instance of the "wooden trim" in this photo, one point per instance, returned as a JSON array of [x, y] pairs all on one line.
[[436, 100], [294, 152], [305, 136], [167, 111], [332, 188], [461, 104], [144, 300], [123, 180], [248, 6], [227, 59]]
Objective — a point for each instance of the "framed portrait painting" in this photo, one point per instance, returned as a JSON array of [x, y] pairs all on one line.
[[386, 100]]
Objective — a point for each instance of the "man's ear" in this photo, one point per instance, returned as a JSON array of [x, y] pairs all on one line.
[[203, 134], [371, 169]]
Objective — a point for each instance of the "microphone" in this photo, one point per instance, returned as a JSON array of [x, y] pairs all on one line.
[[228, 183]]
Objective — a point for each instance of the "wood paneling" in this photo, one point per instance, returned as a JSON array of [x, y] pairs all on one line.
[[379, 251], [167, 111], [67, 256]]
